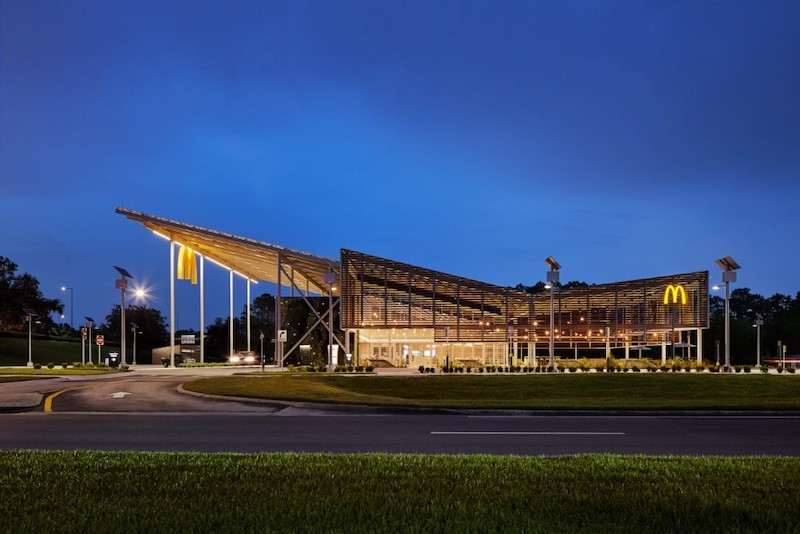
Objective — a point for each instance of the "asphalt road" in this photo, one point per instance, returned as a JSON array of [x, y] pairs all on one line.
[[143, 411]]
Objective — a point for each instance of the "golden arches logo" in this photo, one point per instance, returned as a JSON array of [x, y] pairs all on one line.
[[187, 267], [675, 292]]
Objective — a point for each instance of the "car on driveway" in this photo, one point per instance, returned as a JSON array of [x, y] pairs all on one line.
[[179, 359], [247, 357]]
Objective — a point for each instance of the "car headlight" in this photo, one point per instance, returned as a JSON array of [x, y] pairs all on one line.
[[234, 359], [249, 359]]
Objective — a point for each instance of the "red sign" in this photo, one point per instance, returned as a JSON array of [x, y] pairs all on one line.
[[83, 333], [100, 340]]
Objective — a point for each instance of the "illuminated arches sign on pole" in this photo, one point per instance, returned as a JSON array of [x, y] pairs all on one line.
[[673, 293]]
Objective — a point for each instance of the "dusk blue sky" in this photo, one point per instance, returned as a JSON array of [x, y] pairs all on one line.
[[626, 139]]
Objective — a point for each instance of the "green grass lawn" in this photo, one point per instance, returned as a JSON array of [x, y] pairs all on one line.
[[14, 350], [163, 492], [652, 391]]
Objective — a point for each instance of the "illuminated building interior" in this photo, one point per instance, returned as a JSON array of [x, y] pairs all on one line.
[[412, 316], [402, 315]]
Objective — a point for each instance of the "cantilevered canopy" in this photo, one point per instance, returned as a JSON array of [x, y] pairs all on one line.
[[256, 260]]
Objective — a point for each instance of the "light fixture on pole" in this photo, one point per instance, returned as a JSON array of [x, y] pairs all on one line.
[[89, 322], [729, 267], [71, 304], [552, 280], [122, 285], [134, 328], [29, 315], [758, 324]]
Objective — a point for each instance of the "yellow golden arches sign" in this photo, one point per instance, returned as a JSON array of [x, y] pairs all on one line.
[[674, 292], [187, 266]]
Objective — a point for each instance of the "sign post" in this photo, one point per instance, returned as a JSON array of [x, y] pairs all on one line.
[[100, 340], [83, 345]]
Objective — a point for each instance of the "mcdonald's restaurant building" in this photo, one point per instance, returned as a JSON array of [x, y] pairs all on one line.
[[396, 314]]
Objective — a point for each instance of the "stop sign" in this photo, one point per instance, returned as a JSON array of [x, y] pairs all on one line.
[[100, 340]]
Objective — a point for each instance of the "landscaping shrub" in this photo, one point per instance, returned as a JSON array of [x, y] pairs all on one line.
[[369, 368], [50, 365], [37, 365], [64, 365]]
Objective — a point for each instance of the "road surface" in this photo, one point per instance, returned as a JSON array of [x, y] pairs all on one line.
[[143, 411]]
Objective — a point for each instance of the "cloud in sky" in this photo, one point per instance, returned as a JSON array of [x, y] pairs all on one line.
[[627, 139]]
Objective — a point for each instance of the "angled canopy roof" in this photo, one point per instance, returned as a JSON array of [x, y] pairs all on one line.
[[256, 260]]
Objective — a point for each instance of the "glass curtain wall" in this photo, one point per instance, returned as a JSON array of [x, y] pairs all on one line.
[[446, 315]]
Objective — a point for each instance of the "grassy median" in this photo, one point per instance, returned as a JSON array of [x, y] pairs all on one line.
[[564, 391], [185, 492], [55, 371]]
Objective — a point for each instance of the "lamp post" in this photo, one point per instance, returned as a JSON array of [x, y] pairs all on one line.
[[71, 304], [261, 337], [134, 328], [89, 322], [729, 267], [759, 322], [122, 285], [552, 280], [29, 315]]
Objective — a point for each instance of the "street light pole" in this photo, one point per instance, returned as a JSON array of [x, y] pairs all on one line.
[[30, 314], [122, 285], [729, 267], [134, 327], [71, 305], [89, 322], [552, 280], [759, 322]]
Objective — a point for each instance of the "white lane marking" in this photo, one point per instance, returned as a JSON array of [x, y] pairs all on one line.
[[120, 394], [522, 433]]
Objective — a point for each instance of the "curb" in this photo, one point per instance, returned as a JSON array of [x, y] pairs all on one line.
[[18, 401], [406, 410]]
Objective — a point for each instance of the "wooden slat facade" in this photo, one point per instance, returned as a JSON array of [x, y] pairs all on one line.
[[381, 293]]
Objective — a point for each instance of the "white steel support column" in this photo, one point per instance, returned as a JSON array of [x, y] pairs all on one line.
[[663, 353], [248, 315], [699, 345], [230, 318], [123, 328], [278, 354], [202, 310], [172, 303], [552, 327], [727, 327]]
